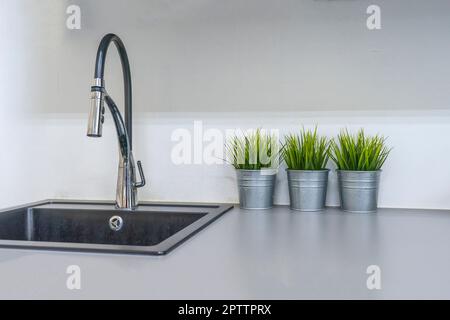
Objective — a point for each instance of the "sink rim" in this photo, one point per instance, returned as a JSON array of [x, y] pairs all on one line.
[[214, 211]]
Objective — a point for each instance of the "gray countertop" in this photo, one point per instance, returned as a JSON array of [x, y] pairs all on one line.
[[273, 254]]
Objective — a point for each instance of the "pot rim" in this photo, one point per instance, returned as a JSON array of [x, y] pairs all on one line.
[[359, 171], [320, 170], [257, 170]]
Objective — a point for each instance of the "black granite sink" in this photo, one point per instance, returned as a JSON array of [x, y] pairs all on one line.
[[154, 228]]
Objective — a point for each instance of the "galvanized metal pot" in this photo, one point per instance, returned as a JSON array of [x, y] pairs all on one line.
[[358, 190], [307, 189], [256, 188]]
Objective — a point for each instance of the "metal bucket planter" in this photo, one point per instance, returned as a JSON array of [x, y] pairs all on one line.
[[256, 188], [307, 189], [358, 190]]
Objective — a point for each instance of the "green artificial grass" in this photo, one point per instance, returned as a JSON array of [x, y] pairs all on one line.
[[306, 151], [253, 151], [359, 152]]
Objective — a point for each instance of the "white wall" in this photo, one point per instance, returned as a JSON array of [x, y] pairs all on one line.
[[70, 165], [234, 55], [46, 74]]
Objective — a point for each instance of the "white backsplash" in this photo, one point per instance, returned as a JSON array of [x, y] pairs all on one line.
[[50, 157]]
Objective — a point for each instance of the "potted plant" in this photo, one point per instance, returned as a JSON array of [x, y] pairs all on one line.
[[254, 155], [359, 159], [306, 156]]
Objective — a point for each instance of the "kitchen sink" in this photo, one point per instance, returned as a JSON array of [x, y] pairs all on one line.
[[151, 229], [125, 226]]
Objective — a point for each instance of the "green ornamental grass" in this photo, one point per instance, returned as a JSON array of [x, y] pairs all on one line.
[[306, 151], [254, 150], [359, 152]]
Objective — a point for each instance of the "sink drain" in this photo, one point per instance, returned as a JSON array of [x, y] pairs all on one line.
[[115, 223]]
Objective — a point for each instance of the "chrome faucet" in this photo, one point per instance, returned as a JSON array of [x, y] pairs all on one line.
[[126, 195]]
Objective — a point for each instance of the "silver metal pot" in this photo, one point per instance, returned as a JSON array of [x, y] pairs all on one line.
[[256, 188], [307, 189], [358, 190]]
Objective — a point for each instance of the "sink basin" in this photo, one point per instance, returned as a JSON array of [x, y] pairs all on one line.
[[153, 229]]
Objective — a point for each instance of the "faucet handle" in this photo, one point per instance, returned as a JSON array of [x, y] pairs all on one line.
[[141, 174]]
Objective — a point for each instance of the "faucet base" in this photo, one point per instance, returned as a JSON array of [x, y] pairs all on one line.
[[126, 195]]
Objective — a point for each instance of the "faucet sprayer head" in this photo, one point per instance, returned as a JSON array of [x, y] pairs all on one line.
[[96, 114]]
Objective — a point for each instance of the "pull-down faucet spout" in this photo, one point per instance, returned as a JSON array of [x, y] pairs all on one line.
[[126, 196]]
